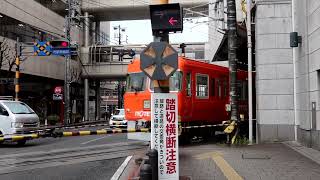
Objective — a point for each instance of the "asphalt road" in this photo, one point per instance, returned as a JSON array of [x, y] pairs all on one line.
[[94, 157]]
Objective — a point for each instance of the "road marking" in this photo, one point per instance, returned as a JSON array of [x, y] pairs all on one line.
[[92, 140], [120, 170], [224, 166], [227, 170]]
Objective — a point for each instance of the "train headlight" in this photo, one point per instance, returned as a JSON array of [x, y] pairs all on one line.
[[146, 104]]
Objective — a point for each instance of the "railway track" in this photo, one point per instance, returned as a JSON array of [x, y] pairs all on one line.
[[37, 160]]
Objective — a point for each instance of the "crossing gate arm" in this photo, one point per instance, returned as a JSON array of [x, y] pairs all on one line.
[[98, 132], [15, 138]]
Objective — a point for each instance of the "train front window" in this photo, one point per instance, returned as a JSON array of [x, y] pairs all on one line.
[[135, 82], [175, 82]]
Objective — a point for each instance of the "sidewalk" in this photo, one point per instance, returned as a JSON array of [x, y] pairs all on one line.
[[256, 162]]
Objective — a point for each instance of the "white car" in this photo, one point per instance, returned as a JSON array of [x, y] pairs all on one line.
[[17, 118], [118, 119]]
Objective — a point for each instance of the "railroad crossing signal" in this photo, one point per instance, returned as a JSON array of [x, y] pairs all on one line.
[[166, 18], [42, 48], [159, 60], [60, 47]]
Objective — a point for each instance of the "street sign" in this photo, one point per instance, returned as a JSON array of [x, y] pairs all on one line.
[[164, 134], [166, 18], [159, 60], [61, 52], [42, 48], [57, 97], [7, 81]]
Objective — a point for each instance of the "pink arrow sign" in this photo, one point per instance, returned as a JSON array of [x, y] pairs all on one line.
[[172, 21]]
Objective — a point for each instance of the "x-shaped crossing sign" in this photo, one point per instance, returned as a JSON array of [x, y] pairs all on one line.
[[159, 60]]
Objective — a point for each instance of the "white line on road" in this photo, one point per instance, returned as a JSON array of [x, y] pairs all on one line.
[[92, 140], [120, 170]]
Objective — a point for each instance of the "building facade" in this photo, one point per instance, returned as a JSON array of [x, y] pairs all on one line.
[[284, 74]]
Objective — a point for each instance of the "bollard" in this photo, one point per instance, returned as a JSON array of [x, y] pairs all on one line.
[[145, 172], [153, 156]]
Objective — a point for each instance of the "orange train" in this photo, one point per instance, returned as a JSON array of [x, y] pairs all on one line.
[[202, 88]]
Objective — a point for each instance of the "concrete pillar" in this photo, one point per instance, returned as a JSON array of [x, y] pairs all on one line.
[[86, 99], [94, 33], [86, 30], [98, 100], [86, 81]]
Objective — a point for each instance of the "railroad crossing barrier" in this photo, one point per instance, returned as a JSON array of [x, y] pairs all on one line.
[[97, 132], [15, 138], [19, 137]]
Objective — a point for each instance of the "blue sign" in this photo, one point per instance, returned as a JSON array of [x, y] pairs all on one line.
[[61, 52], [42, 48]]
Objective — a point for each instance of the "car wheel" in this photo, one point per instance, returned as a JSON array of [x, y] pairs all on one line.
[[21, 142]]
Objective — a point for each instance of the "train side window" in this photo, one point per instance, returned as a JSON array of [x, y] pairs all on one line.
[[225, 88], [219, 88], [213, 87], [202, 82], [188, 79]]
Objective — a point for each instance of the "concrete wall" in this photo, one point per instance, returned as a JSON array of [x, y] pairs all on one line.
[[34, 14], [308, 71], [274, 77]]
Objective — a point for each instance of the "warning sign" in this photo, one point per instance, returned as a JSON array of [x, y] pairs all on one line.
[[164, 134]]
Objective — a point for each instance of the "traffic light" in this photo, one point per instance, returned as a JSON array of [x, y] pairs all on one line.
[[166, 18], [60, 47], [59, 44]]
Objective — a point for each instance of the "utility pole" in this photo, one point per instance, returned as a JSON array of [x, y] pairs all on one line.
[[67, 109], [119, 33], [17, 85], [232, 56]]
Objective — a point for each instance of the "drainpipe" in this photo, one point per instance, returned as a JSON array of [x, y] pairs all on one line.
[[294, 59]]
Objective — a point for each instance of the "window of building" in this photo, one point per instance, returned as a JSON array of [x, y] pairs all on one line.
[[202, 85]]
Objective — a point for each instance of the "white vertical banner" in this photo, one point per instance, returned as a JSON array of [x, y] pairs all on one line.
[[164, 133]]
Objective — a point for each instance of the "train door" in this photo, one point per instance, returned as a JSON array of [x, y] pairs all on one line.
[[187, 111]]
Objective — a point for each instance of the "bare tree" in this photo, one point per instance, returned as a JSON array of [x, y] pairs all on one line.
[[7, 57], [75, 75]]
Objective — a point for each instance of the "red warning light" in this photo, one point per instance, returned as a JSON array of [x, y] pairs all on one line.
[[64, 44]]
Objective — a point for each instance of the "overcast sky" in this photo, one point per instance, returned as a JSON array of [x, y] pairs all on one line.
[[139, 31]]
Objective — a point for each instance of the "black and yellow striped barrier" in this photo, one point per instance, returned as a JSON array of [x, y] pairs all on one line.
[[98, 132], [19, 137]]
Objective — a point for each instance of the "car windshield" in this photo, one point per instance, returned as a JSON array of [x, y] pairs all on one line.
[[119, 112], [19, 108], [135, 82]]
